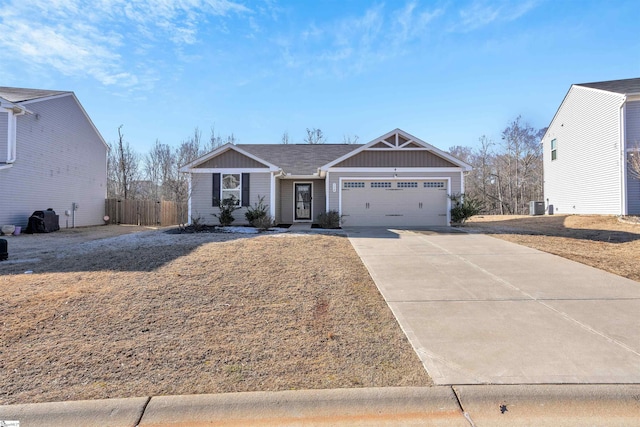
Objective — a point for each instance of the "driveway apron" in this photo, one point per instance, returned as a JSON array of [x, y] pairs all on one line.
[[479, 310]]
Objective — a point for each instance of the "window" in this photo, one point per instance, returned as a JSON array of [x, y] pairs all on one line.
[[554, 149], [353, 185], [230, 187], [433, 184], [380, 185], [407, 185]]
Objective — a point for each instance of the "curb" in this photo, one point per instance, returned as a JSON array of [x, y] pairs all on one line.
[[458, 405]]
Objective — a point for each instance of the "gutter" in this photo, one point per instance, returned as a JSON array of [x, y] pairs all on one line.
[[624, 208]]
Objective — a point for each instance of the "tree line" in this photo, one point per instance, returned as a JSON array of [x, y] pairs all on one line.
[[506, 175]]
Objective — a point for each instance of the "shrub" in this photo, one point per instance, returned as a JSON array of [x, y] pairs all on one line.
[[197, 224], [257, 211], [329, 219], [464, 207], [263, 223], [227, 207]]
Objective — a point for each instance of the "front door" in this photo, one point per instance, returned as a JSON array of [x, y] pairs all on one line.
[[302, 197]]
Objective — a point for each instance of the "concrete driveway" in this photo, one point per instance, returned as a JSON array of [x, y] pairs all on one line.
[[480, 310]]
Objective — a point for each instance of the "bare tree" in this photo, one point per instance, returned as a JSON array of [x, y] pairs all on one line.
[[158, 166], [215, 140], [285, 137], [348, 139], [633, 160], [123, 168], [315, 136]]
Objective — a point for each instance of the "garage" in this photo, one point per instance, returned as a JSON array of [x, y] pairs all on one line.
[[395, 202]]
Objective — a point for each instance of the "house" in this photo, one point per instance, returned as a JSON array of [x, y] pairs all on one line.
[[394, 180], [51, 156], [587, 149]]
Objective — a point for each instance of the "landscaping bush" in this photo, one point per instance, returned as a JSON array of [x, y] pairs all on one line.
[[257, 211], [330, 219], [464, 207], [264, 222], [227, 207]]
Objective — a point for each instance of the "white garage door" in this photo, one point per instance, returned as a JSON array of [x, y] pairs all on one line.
[[408, 202]]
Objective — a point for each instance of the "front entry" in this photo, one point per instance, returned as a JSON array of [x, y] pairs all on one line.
[[302, 200]]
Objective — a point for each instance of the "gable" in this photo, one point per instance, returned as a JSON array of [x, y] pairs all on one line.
[[231, 159], [396, 158]]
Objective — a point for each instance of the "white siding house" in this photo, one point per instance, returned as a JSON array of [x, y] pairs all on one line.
[[586, 148], [51, 156]]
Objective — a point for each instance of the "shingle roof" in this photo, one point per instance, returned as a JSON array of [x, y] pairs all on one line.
[[626, 86], [299, 159], [16, 94]]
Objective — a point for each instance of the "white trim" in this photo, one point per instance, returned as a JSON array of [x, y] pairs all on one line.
[[272, 198], [395, 170], [462, 182], [294, 177], [624, 203], [295, 202], [327, 189], [228, 170], [399, 178], [189, 167], [189, 200], [399, 148]]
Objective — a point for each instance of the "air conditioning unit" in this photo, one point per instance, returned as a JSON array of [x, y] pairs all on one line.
[[536, 208]]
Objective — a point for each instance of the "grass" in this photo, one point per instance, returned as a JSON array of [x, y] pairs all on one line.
[[162, 314], [603, 242]]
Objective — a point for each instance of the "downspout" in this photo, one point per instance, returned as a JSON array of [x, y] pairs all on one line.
[[12, 124], [623, 148]]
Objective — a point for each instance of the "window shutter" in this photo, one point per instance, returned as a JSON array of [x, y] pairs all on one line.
[[216, 190], [245, 189]]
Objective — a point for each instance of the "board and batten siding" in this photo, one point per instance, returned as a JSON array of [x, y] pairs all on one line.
[[395, 159], [202, 197], [286, 208], [60, 160], [586, 176], [632, 138], [334, 179]]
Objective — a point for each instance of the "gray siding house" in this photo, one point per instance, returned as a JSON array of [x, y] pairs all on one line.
[[394, 180], [51, 156], [587, 147]]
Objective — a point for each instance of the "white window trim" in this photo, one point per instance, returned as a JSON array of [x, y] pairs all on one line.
[[239, 204]]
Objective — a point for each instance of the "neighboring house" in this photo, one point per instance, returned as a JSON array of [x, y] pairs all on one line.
[[394, 180], [587, 149], [51, 156]]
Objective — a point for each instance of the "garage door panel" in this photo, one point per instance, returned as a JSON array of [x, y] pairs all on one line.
[[395, 203]]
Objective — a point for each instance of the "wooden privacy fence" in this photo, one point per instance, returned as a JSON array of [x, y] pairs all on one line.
[[145, 212]]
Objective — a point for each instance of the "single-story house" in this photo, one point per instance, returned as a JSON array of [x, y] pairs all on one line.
[[51, 157], [394, 180], [587, 150]]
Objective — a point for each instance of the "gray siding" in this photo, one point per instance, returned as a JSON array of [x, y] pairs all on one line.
[[632, 136], [586, 176], [60, 160], [334, 178], [231, 159], [395, 158], [286, 206], [4, 118], [202, 192]]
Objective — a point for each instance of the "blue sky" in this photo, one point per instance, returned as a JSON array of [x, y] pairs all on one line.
[[444, 71]]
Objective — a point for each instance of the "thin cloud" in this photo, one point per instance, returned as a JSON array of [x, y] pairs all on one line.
[[353, 44], [87, 37], [481, 14]]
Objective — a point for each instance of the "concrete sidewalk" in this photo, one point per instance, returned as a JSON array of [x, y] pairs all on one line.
[[539, 405], [479, 310]]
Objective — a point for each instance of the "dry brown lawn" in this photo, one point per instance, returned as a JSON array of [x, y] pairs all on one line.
[[603, 242], [152, 313]]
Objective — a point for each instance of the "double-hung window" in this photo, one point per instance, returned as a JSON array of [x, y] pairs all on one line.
[[231, 188], [554, 149]]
